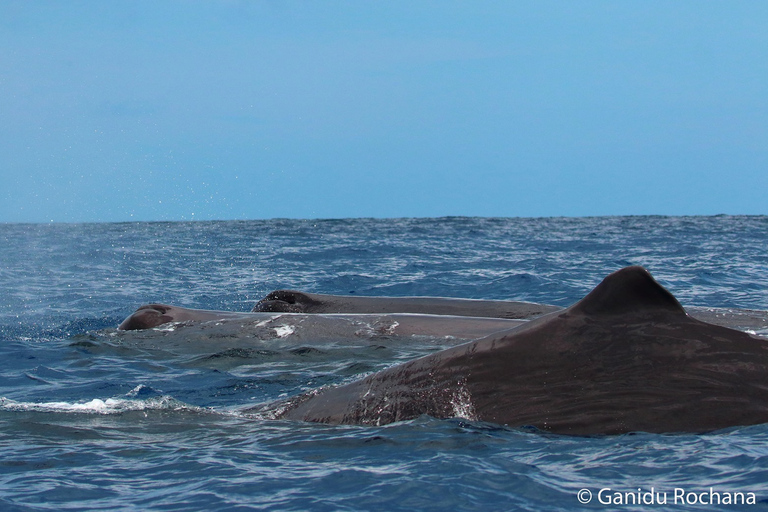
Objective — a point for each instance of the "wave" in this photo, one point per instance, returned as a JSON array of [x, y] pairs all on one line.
[[128, 402]]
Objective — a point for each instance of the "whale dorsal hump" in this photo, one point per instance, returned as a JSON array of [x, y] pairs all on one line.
[[631, 289]]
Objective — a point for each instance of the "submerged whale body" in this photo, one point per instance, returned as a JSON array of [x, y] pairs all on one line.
[[423, 311], [625, 358], [311, 327]]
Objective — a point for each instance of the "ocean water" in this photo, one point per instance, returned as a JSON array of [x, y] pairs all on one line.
[[96, 419]]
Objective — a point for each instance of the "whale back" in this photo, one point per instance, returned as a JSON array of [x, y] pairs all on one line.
[[624, 358]]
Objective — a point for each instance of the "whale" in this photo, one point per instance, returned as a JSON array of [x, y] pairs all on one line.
[[625, 358], [292, 301], [322, 326]]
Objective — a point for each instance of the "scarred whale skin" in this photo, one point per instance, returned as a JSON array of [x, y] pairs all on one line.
[[625, 358]]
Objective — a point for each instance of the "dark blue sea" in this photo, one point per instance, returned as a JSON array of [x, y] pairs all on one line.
[[92, 418]]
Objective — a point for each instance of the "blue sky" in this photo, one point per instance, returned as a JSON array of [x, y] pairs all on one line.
[[179, 110]]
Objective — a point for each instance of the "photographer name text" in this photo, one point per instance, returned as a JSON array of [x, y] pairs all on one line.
[[677, 496]]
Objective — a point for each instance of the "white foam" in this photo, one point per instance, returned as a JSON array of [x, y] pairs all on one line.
[[97, 405], [284, 330], [461, 401], [169, 327]]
